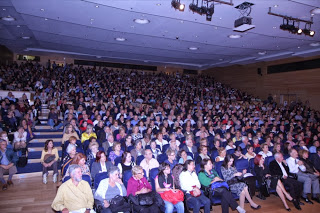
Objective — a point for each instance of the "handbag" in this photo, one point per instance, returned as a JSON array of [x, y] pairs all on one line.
[[145, 199], [218, 185], [48, 158], [119, 204], [264, 189], [173, 197], [233, 181]]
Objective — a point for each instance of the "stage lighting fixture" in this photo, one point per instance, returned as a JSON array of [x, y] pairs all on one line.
[[308, 32], [177, 5], [209, 12]]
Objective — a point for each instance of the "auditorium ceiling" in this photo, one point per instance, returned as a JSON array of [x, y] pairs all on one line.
[[105, 30]]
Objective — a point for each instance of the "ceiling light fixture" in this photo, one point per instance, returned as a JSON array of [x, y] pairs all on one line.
[[307, 30], [262, 52], [141, 21], [317, 44], [25, 37], [42, 9], [205, 8], [120, 39], [8, 18], [315, 11], [97, 6], [18, 25], [177, 5], [193, 48], [234, 36]]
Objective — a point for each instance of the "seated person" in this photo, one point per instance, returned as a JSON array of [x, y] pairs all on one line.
[[237, 155], [203, 154], [148, 162], [250, 153], [189, 147], [20, 138], [93, 150], [100, 165], [171, 158], [88, 133], [79, 159], [71, 152], [164, 182], [8, 160], [184, 156], [74, 194], [208, 176], [229, 172], [138, 184], [109, 188], [230, 144], [189, 183], [126, 163], [155, 151], [138, 150], [49, 158], [222, 154], [116, 152], [265, 150]]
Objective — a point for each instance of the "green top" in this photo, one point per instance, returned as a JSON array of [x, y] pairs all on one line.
[[205, 179]]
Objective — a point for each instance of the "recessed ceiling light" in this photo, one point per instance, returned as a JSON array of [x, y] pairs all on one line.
[[42, 9], [141, 21], [193, 48], [275, 5], [234, 36], [18, 25], [4, 9], [274, 27], [298, 47], [220, 18], [262, 52], [220, 59], [91, 19], [120, 39], [315, 11], [97, 6], [317, 44], [46, 19], [25, 37], [158, 4], [8, 18]]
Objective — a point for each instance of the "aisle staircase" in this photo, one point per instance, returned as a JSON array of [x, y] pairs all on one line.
[[36, 145]]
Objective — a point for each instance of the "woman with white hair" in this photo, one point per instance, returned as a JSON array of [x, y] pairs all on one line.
[[109, 188]]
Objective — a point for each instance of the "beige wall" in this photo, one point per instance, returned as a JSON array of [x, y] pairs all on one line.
[[305, 84]]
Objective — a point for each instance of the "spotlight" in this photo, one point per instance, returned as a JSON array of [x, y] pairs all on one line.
[[177, 5], [308, 32], [209, 13], [299, 31]]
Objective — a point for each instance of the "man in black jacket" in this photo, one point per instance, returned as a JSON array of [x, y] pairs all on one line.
[[279, 167]]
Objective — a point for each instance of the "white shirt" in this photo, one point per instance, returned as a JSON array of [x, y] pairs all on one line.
[[187, 180], [264, 154], [284, 172], [294, 166], [164, 142], [229, 147]]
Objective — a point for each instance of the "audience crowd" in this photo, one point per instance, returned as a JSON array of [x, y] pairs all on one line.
[[161, 133]]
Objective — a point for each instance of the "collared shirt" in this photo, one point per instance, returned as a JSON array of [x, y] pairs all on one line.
[[4, 159], [284, 172], [188, 180], [294, 166]]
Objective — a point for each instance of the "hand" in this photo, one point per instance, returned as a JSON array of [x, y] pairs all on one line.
[[65, 210], [216, 179], [237, 174], [244, 171], [285, 177], [106, 204], [268, 175], [87, 211], [300, 163], [285, 162], [119, 181]]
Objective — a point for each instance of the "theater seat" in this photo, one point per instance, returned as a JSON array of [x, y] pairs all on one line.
[[153, 174], [99, 177], [242, 164]]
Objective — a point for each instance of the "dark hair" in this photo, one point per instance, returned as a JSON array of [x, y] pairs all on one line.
[[124, 156], [185, 165], [226, 161], [162, 167], [46, 145], [180, 152], [248, 146], [98, 156], [257, 159], [203, 163]]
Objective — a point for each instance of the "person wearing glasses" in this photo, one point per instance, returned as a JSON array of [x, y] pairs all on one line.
[[138, 184], [171, 158]]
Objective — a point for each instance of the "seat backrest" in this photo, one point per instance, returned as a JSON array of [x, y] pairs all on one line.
[[165, 147], [139, 159], [190, 154], [267, 160], [242, 164], [217, 167], [230, 151], [117, 160], [126, 176], [214, 154], [99, 177], [161, 158], [153, 174], [251, 166]]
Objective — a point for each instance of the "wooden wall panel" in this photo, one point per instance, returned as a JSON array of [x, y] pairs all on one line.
[[305, 83]]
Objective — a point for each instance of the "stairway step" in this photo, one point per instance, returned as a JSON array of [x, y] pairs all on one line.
[[39, 149], [55, 133], [48, 130], [38, 144], [42, 140], [34, 160], [45, 110], [31, 167], [42, 127], [37, 154]]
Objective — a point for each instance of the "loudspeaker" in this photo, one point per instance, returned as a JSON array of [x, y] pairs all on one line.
[[259, 71]]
